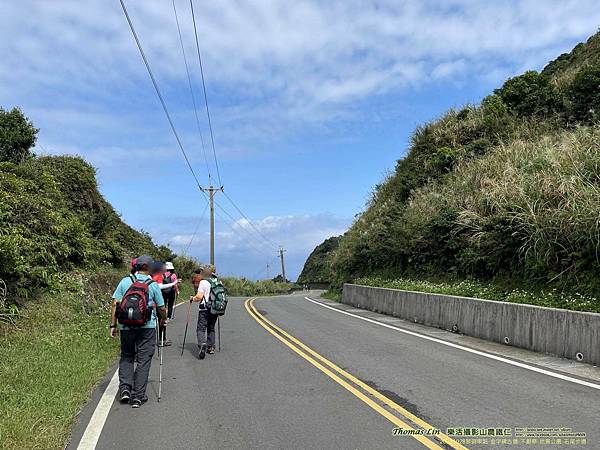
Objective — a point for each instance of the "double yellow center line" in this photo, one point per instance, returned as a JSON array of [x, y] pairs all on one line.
[[364, 392]]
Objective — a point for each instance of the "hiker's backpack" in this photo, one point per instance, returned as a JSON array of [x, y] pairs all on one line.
[[218, 297], [167, 279], [133, 311]]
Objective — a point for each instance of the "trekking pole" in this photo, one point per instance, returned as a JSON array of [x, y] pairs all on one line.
[[219, 331], [187, 322], [162, 342], [157, 334], [174, 305]]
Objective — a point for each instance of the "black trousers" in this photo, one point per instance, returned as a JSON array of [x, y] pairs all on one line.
[[170, 301], [140, 341]]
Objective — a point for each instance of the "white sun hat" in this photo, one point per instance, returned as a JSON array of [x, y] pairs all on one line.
[[169, 266]]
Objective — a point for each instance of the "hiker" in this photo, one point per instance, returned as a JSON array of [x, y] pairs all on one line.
[[133, 266], [137, 301], [157, 271], [205, 330], [171, 292]]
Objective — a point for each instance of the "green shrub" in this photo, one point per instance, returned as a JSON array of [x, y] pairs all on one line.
[[242, 287], [584, 96], [530, 95], [17, 136]]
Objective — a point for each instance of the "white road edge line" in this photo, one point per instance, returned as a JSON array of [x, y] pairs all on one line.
[[92, 432], [94, 429], [466, 349]]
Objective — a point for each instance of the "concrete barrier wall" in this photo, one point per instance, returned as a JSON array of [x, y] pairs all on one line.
[[547, 330]]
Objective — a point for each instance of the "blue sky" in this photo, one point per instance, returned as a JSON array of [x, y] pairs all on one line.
[[312, 102]]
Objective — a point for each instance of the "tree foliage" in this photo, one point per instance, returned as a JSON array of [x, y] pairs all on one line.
[[318, 267], [17, 136], [52, 216]]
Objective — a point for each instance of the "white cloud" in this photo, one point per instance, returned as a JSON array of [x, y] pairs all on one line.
[[241, 250], [287, 60]]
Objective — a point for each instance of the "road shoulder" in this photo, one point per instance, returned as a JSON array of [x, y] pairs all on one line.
[[552, 363]]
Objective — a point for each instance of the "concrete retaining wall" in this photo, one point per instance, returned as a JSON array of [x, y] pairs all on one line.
[[547, 330]]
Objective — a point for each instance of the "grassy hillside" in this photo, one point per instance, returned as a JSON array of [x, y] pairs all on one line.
[[318, 267], [505, 191]]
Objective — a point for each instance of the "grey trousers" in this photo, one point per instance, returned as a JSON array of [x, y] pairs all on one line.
[[135, 381], [205, 331]]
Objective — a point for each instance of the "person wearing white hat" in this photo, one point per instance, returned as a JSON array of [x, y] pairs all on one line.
[[170, 292]]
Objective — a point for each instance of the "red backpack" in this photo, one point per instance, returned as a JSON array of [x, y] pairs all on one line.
[[133, 311]]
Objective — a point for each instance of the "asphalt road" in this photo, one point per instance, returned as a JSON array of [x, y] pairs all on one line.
[[315, 378]]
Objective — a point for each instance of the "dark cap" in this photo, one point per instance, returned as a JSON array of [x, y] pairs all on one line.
[[144, 260]]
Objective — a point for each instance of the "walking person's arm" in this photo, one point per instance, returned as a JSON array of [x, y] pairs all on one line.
[[159, 303], [117, 296], [113, 320], [203, 293]]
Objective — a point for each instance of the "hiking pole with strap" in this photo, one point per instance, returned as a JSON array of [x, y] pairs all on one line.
[[162, 342], [187, 322], [219, 331]]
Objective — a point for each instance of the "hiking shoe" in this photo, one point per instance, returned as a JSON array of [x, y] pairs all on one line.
[[211, 350], [167, 343], [125, 396], [202, 352], [136, 403]]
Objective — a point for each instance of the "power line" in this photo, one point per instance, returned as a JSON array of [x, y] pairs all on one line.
[[212, 139], [187, 70], [269, 241], [160, 97], [196, 230], [247, 230], [232, 222], [249, 242]]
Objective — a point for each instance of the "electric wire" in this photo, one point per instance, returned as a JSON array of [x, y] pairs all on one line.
[[187, 70], [160, 97], [196, 230], [172, 126], [231, 224], [232, 221], [269, 241], [241, 224], [212, 139]]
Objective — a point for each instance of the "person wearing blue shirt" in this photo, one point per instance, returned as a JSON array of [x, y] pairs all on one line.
[[137, 341]]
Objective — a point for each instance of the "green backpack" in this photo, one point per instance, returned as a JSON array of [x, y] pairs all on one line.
[[218, 297]]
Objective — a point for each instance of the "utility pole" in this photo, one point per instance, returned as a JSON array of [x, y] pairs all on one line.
[[281, 252], [268, 273], [211, 196]]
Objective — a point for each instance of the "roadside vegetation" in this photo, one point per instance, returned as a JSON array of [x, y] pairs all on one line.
[[551, 298], [505, 193], [242, 287], [51, 356]]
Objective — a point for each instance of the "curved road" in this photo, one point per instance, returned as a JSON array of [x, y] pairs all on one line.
[[292, 374]]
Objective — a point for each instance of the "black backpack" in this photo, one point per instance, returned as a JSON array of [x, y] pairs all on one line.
[[133, 311], [166, 280]]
